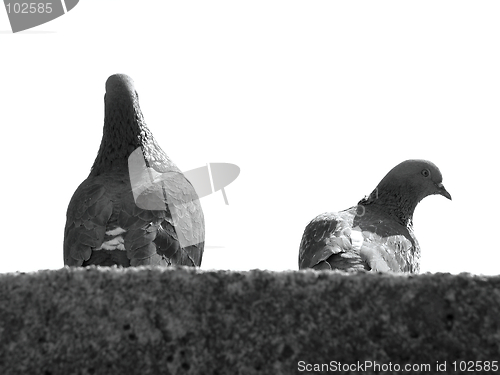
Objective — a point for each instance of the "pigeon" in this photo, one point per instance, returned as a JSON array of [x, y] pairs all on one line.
[[377, 234], [135, 207]]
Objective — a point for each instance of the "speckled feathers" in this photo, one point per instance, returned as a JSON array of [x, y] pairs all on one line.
[[377, 234], [104, 224]]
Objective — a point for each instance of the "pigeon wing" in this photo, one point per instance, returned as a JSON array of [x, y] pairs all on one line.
[[327, 243], [173, 232], [87, 217]]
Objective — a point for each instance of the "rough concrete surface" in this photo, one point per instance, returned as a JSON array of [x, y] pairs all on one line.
[[187, 321]]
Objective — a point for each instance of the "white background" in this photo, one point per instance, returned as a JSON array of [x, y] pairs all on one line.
[[315, 101]]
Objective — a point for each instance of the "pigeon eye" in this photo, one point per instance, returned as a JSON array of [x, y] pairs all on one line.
[[426, 172]]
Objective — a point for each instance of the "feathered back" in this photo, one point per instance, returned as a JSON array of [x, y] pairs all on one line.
[[157, 220], [376, 234]]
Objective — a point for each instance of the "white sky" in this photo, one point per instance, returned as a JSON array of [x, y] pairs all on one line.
[[315, 101]]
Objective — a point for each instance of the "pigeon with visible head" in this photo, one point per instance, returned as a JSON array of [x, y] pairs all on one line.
[[376, 234], [113, 219]]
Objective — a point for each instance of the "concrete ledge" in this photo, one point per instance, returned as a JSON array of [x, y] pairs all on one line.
[[186, 321]]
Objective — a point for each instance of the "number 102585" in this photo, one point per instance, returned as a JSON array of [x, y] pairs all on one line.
[[26, 8], [480, 366]]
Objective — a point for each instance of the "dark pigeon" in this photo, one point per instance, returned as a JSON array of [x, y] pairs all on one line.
[[377, 234], [136, 207]]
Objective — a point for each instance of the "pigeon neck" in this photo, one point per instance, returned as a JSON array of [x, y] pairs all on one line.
[[397, 203], [124, 131]]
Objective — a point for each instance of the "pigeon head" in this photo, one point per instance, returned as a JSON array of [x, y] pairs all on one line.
[[419, 177], [124, 129], [405, 186], [120, 91]]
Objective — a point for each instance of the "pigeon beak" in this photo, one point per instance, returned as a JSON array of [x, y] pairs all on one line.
[[443, 191]]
